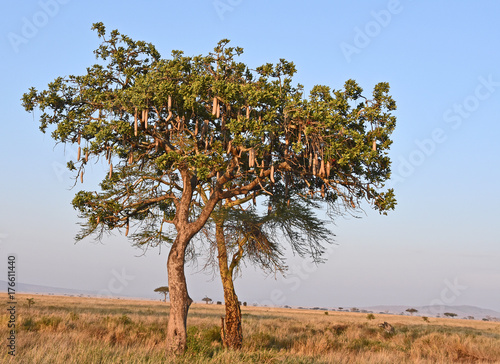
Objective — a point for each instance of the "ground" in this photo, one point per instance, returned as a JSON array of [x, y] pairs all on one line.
[[58, 329]]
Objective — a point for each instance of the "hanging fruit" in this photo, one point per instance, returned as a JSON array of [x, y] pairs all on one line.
[[135, 122], [322, 168], [145, 118], [251, 158]]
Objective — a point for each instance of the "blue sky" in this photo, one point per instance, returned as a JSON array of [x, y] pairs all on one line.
[[441, 244]]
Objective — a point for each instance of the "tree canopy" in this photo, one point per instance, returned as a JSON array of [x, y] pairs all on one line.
[[176, 129], [163, 290]]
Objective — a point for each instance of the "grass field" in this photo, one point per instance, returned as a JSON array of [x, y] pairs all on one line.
[[89, 330]]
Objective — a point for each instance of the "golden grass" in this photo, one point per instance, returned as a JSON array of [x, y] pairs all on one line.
[[60, 329]]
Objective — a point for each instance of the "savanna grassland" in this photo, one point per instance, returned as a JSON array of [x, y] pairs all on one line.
[[58, 329]]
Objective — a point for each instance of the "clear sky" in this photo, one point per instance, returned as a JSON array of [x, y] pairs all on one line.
[[440, 245]]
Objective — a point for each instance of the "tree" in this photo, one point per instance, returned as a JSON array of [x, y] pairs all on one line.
[[450, 314], [31, 301], [240, 233], [171, 128], [163, 290], [207, 300], [411, 311]]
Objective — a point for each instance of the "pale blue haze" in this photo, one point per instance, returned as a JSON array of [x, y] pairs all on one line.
[[442, 62]]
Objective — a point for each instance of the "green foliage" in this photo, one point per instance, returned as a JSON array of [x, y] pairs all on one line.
[[29, 324], [362, 344], [339, 329], [266, 341], [370, 316], [259, 238], [50, 321], [162, 289], [225, 127], [201, 341], [124, 320]]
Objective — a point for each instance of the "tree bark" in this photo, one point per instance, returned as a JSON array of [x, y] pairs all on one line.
[[179, 298], [233, 330], [233, 333]]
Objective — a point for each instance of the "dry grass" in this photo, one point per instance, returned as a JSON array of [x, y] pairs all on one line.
[[89, 330]]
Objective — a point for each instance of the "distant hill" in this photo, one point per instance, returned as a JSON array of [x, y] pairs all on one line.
[[34, 288], [463, 311], [433, 311]]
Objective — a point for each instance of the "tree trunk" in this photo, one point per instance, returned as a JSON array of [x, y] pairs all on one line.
[[179, 299], [233, 333]]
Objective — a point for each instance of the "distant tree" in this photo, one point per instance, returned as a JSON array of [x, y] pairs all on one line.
[[425, 318], [411, 311], [219, 303], [470, 317], [163, 290], [450, 314], [326, 312], [31, 301], [370, 316], [207, 300], [354, 309]]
